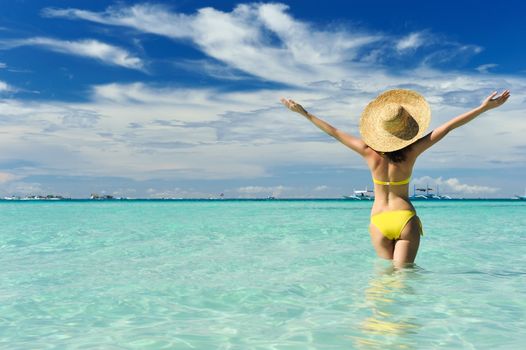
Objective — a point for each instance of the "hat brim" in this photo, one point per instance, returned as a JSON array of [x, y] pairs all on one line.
[[371, 127]]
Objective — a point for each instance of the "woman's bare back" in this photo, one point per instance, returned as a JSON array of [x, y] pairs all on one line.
[[387, 197]]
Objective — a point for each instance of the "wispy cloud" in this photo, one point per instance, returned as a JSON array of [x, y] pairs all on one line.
[[2, 65], [240, 38], [143, 130], [151, 18], [176, 192], [452, 53], [211, 68], [265, 41], [21, 188], [13, 184], [258, 191], [485, 68], [7, 177], [90, 48], [411, 42], [4, 86]]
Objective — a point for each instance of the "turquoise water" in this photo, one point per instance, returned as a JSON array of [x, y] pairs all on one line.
[[257, 275]]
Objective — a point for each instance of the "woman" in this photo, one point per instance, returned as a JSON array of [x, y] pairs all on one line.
[[392, 127]]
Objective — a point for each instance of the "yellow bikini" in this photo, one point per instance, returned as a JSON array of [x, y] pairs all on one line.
[[392, 183], [392, 222]]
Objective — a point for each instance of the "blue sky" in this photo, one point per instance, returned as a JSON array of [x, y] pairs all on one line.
[[181, 99]]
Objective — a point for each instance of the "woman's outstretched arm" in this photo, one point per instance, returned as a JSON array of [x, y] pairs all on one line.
[[352, 142], [436, 135]]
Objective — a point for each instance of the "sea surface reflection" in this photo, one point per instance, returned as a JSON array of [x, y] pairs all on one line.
[[389, 298]]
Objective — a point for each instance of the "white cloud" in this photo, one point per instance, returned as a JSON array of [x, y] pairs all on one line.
[[453, 186], [95, 49], [151, 18], [258, 191], [142, 131], [211, 68], [7, 177], [4, 86], [451, 52], [145, 131], [9, 185], [179, 193], [411, 42], [321, 188], [307, 44], [244, 41], [2, 65], [484, 68], [240, 38]]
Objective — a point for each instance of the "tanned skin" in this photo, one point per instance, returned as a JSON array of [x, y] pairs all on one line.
[[387, 198]]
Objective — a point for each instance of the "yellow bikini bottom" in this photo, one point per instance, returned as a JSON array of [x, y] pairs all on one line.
[[391, 223]]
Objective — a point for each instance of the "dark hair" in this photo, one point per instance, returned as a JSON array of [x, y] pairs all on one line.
[[398, 155]]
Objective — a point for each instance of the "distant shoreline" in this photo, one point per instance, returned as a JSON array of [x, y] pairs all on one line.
[[248, 200]]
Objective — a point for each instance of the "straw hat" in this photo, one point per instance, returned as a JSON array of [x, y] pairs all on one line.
[[394, 119]]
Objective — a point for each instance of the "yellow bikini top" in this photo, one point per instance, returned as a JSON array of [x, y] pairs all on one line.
[[392, 183]]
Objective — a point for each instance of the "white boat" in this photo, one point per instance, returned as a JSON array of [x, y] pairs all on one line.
[[361, 195], [522, 198], [33, 198], [426, 194]]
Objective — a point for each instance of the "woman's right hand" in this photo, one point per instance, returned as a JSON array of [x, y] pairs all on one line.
[[293, 106], [493, 102]]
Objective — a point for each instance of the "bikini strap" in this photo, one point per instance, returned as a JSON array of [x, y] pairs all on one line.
[[392, 183]]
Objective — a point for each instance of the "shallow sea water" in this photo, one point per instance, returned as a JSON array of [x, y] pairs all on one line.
[[257, 275]]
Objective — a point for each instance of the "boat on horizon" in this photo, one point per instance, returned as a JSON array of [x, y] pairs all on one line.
[[427, 195], [95, 196], [522, 198], [360, 195]]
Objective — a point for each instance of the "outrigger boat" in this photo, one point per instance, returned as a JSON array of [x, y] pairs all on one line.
[[361, 195], [522, 198], [426, 193]]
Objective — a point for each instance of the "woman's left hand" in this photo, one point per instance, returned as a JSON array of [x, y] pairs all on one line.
[[493, 102], [293, 106]]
